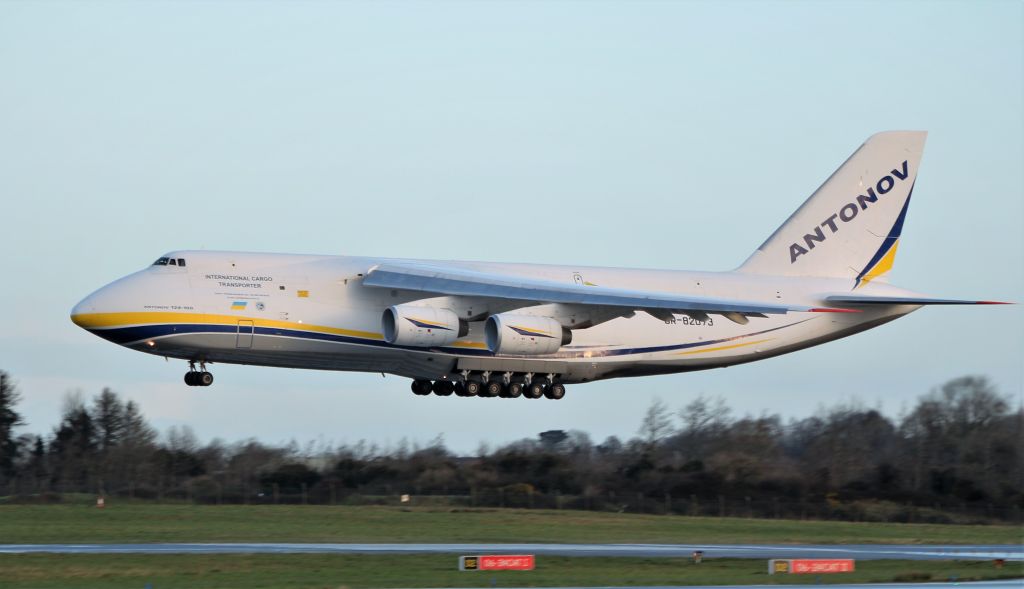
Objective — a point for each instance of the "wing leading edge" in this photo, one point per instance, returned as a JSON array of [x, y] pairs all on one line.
[[453, 281]]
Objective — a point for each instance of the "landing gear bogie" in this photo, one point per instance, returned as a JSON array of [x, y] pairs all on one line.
[[198, 378], [509, 386]]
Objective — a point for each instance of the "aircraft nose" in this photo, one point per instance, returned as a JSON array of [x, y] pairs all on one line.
[[77, 311], [115, 297], [113, 310], [88, 306]]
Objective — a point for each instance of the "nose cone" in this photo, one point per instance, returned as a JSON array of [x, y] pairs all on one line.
[[107, 303], [84, 313], [117, 311]]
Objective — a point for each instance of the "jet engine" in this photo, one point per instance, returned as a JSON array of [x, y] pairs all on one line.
[[409, 325], [524, 334]]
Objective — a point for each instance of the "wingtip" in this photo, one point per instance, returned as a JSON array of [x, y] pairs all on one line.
[[994, 303]]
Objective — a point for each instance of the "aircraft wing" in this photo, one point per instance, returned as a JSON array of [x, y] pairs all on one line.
[[454, 281]]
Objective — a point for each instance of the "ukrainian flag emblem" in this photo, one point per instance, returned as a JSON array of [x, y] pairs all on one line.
[[239, 305]]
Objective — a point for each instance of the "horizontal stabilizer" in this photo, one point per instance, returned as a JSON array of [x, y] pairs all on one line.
[[847, 299]]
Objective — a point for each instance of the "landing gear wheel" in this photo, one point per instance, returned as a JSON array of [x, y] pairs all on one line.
[[536, 390], [198, 379], [460, 390], [512, 390], [443, 388], [555, 391], [494, 388], [421, 387], [473, 388]]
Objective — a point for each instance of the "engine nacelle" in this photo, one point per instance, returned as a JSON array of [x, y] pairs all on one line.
[[409, 325], [524, 334]]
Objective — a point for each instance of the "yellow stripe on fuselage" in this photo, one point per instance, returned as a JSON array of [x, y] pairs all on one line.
[[720, 348], [115, 320]]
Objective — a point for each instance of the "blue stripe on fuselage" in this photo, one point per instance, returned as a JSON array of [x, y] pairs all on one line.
[[129, 335]]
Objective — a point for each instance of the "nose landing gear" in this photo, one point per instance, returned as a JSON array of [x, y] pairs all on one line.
[[198, 378]]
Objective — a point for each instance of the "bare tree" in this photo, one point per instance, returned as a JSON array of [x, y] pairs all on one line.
[[704, 420], [656, 424]]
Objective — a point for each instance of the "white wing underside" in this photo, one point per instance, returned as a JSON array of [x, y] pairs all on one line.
[[440, 280]]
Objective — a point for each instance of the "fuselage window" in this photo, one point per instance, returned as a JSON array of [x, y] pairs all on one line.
[[181, 261], [161, 262]]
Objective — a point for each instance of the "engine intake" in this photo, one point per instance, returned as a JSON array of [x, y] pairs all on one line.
[[409, 325], [524, 334]]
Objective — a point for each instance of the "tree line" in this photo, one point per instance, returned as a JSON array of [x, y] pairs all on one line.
[[955, 456]]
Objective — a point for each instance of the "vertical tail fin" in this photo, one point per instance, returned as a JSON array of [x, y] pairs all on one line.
[[850, 226]]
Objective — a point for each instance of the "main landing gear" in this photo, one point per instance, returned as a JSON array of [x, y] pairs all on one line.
[[198, 378], [506, 386]]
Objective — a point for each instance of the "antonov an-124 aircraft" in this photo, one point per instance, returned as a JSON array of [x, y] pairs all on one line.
[[510, 330]]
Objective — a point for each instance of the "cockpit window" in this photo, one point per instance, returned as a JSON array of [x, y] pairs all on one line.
[[180, 262]]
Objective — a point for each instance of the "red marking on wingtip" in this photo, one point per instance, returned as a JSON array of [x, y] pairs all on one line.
[[834, 310], [994, 303]]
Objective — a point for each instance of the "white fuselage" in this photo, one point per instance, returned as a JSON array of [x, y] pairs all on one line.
[[308, 311]]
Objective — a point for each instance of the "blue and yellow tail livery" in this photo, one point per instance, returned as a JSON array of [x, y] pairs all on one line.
[[850, 227]]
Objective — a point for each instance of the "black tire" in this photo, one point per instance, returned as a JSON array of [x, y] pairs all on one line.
[[443, 388], [473, 388], [421, 387], [460, 390], [190, 379], [555, 391], [536, 390], [495, 388], [513, 390], [204, 379]]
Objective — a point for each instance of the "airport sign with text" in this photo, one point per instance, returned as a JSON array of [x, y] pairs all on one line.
[[812, 566], [497, 562]]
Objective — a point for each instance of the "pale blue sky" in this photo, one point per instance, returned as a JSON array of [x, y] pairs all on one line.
[[670, 135]]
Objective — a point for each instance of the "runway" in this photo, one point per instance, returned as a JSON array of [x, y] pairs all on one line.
[[1007, 584], [855, 551]]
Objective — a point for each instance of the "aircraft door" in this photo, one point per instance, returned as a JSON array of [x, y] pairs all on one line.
[[243, 337]]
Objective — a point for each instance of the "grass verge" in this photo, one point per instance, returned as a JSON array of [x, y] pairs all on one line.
[[141, 522], [170, 571]]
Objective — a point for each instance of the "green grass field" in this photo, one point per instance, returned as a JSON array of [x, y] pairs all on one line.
[[140, 522], [143, 522], [319, 571]]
